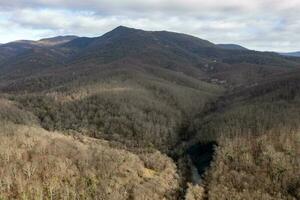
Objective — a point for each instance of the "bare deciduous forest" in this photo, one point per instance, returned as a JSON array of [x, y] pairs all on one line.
[[140, 115]]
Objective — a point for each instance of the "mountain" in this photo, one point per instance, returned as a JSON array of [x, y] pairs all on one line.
[[179, 53], [139, 114], [232, 47], [292, 54], [161, 71], [42, 42], [16, 48], [56, 40]]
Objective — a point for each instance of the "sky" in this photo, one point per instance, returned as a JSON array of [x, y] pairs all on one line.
[[265, 25]]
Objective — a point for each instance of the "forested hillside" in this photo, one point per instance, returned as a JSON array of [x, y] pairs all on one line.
[[257, 130], [137, 114]]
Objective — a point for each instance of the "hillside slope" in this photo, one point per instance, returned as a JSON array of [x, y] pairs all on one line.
[[35, 166], [257, 133], [116, 101], [269, 105], [232, 47]]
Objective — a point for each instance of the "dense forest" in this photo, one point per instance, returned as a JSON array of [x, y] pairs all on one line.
[[146, 115]]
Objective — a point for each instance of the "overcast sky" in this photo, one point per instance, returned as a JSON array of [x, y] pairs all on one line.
[[257, 24]]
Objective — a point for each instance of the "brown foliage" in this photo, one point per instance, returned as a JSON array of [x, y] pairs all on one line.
[[36, 164], [256, 167]]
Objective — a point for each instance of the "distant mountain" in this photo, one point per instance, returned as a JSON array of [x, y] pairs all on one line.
[[42, 42], [56, 40], [15, 48], [127, 47], [292, 54], [231, 47]]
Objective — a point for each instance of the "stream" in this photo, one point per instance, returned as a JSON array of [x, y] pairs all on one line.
[[201, 156]]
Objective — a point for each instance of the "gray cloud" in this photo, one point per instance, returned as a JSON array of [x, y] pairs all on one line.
[[257, 24]]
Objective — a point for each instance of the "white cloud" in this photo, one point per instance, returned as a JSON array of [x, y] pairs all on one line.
[[257, 24]]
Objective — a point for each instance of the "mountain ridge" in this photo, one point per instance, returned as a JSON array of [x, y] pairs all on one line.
[[232, 46], [291, 54], [177, 52]]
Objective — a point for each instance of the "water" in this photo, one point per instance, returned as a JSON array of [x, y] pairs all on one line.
[[195, 176], [201, 156]]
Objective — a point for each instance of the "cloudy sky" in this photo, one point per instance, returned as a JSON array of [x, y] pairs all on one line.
[[257, 24]]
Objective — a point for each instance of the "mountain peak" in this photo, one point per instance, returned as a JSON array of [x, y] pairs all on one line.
[[121, 27], [124, 29], [120, 31]]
